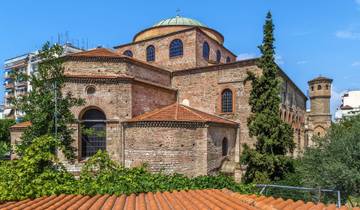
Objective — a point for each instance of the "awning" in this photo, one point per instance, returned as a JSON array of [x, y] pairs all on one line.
[[7, 112]]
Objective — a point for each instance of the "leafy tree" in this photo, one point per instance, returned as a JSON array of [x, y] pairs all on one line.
[[268, 160], [335, 162], [39, 103], [5, 125], [36, 173]]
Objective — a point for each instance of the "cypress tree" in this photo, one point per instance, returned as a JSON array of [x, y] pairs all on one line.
[[268, 160]]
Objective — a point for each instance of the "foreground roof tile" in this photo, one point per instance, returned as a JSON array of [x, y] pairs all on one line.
[[178, 112], [193, 200]]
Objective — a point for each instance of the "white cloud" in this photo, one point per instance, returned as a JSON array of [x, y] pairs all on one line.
[[279, 60], [348, 34], [302, 62], [356, 63], [245, 56]]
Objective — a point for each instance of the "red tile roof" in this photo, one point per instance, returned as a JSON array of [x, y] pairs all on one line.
[[94, 76], [98, 52], [22, 125], [179, 112], [191, 200]]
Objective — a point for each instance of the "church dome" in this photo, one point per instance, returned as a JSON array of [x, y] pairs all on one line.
[[178, 20], [175, 24]]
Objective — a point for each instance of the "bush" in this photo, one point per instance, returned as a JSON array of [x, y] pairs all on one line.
[[38, 173], [102, 175]]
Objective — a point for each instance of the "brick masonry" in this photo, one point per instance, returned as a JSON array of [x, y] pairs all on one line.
[[125, 88]]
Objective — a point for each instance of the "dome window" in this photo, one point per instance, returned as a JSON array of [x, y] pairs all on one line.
[[206, 51], [128, 53], [176, 48], [228, 59], [150, 53], [218, 56]]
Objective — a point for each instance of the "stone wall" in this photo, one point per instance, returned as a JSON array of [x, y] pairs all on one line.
[[146, 98], [216, 136], [15, 135], [161, 44], [202, 89], [214, 46], [192, 54], [148, 73], [172, 149], [112, 98]]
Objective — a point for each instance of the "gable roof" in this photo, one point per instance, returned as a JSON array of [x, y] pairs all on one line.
[[191, 200], [98, 52], [178, 112]]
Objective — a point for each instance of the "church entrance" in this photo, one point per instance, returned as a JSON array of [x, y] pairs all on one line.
[[93, 132]]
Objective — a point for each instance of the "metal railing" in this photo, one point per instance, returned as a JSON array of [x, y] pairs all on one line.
[[315, 191]]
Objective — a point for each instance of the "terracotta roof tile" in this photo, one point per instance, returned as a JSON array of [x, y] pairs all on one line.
[[94, 76], [193, 200], [179, 112], [98, 52], [22, 125]]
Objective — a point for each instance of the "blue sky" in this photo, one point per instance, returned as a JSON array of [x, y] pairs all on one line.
[[313, 37]]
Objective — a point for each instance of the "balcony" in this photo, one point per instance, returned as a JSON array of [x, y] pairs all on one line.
[[22, 83], [9, 85]]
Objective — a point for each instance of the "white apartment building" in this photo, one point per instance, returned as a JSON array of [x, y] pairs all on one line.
[[26, 63], [350, 105]]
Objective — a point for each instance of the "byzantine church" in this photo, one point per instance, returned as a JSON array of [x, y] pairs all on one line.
[[176, 99]]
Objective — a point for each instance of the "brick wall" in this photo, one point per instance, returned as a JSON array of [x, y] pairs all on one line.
[[146, 98], [203, 88], [216, 136], [172, 149], [114, 99], [161, 45], [214, 46]]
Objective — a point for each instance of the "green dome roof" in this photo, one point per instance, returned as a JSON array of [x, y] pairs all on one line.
[[178, 20]]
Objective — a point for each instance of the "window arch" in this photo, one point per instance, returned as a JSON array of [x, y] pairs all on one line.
[[218, 56], [150, 53], [128, 53], [93, 132], [319, 87], [225, 147], [206, 51], [227, 101], [228, 59], [176, 48]]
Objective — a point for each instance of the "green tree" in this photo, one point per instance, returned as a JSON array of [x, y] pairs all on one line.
[[5, 125], [268, 160], [335, 161], [39, 103]]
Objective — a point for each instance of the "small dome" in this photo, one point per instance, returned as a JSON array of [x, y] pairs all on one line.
[[179, 21]]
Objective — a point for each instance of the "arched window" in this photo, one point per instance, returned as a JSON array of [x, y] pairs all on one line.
[[327, 87], [150, 53], [128, 53], [218, 56], [312, 88], [228, 59], [225, 147], [319, 87], [206, 51], [176, 48], [227, 101], [93, 132]]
